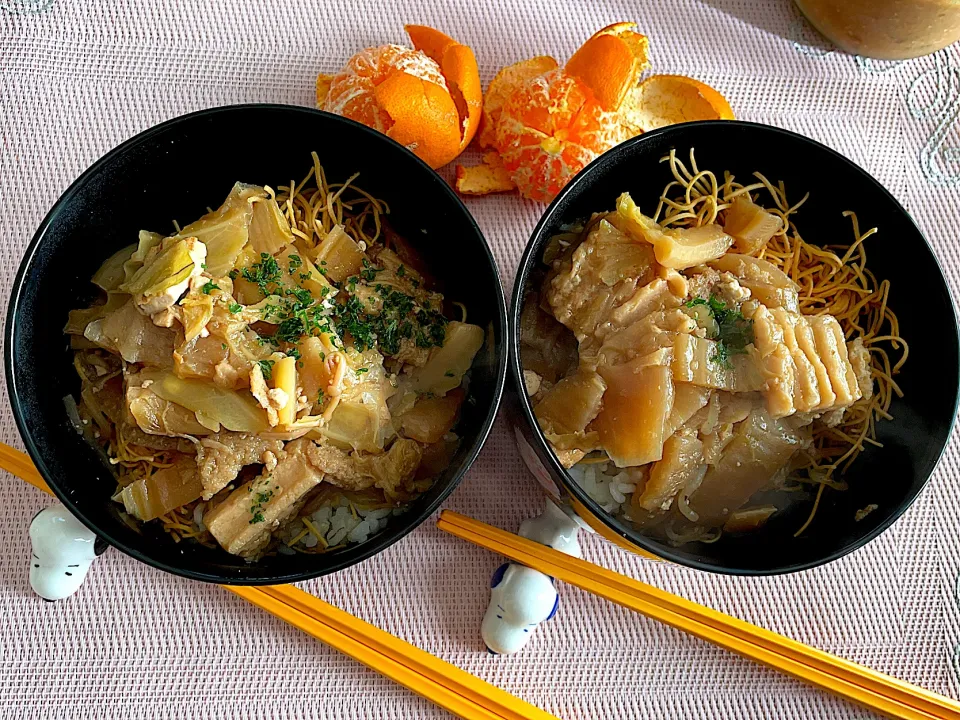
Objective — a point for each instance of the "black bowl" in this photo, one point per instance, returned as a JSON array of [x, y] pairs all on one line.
[[890, 477], [174, 171]]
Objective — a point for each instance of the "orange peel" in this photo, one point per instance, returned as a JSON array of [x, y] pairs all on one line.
[[668, 99], [459, 67], [323, 88], [488, 177], [610, 63], [422, 114], [428, 98], [502, 86]]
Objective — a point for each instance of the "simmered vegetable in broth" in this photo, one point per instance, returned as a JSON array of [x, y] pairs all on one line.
[[277, 376], [682, 365]]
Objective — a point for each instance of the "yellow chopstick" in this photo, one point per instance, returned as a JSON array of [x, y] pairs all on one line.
[[857, 683], [446, 685], [19, 464], [485, 696], [453, 689]]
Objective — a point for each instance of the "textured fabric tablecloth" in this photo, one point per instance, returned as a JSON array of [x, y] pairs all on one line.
[[80, 76]]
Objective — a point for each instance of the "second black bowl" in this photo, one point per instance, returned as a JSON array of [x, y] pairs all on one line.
[[890, 477], [174, 171]]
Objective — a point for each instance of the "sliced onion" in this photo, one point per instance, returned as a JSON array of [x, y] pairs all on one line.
[[73, 413], [683, 499]]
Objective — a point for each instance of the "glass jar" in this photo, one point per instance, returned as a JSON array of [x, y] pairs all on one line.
[[886, 29]]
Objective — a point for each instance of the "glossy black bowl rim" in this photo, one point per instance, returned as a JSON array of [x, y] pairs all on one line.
[[530, 258], [410, 520]]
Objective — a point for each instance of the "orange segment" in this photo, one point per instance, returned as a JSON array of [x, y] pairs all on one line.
[[549, 130], [488, 177], [610, 63], [429, 98], [668, 99], [459, 67], [502, 86], [424, 116]]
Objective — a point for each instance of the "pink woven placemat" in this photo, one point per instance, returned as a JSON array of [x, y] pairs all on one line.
[[80, 76]]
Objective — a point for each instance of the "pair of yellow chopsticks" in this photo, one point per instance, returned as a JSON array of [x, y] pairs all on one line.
[[876, 691], [446, 685], [470, 697]]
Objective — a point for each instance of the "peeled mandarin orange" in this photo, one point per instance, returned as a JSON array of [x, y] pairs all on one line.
[[667, 99], [551, 128], [430, 104], [547, 123], [351, 91], [502, 86], [610, 63]]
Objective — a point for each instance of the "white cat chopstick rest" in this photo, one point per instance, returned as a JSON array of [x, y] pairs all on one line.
[[63, 549], [522, 598]]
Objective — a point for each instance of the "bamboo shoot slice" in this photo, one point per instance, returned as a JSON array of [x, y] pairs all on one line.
[[682, 461], [687, 400], [636, 406], [750, 225], [168, 488], [807, 343], [806, 394], [774, 357], [571, 404], [285, 378], [338, 255], [446, 366], [432, 417]]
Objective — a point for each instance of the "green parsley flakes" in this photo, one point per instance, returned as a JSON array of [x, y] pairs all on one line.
[[734, 331], [266, 367]]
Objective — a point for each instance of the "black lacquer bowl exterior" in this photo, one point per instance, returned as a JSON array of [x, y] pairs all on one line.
[[175, 171], [890, 477]]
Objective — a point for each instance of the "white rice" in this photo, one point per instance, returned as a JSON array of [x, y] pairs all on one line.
[[336, 524], [612, 492]]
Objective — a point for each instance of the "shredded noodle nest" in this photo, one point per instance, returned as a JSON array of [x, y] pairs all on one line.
[[314, 210]]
